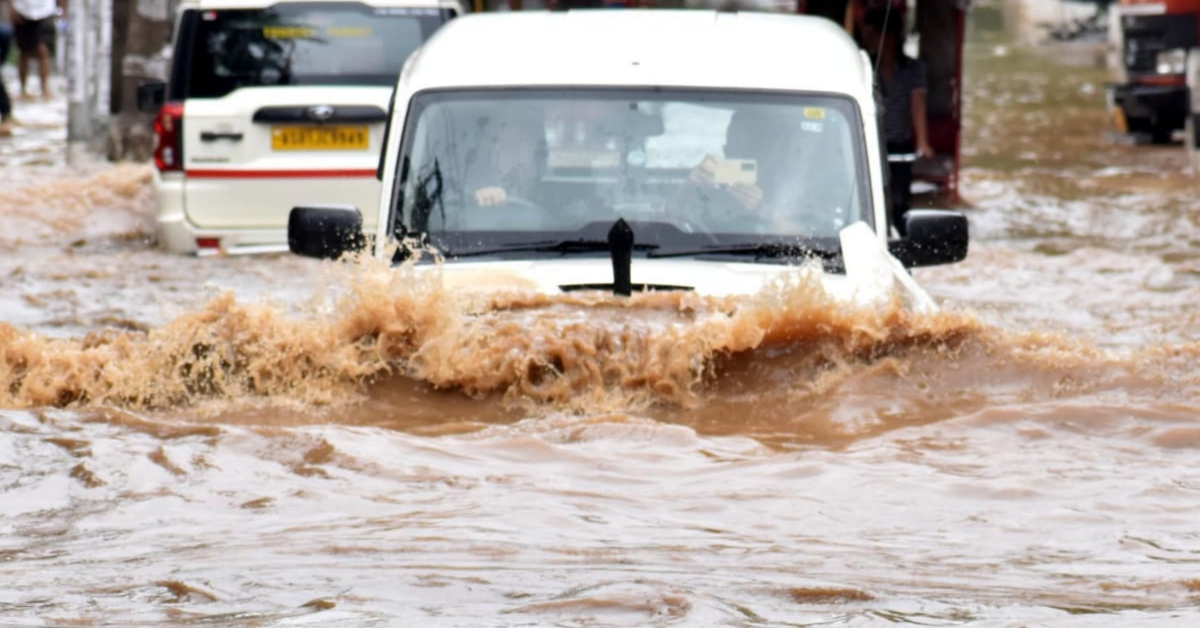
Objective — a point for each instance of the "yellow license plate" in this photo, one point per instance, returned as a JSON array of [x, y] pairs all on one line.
[[319, 138]]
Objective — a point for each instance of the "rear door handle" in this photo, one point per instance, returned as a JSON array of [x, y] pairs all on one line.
[[212, 136]]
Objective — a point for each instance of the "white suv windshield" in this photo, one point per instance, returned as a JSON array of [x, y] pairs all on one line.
[[482, 168]]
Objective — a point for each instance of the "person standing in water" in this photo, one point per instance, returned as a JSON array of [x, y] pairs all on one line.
[[35, 29], [903, 84], [6, 119]]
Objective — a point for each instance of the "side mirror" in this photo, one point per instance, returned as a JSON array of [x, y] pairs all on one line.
[[932, 237], [325, 231], [151, 96]]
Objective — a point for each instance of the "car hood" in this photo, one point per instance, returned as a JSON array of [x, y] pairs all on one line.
[[872, 275]]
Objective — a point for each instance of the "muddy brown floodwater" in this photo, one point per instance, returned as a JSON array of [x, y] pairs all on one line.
[[275, 441]]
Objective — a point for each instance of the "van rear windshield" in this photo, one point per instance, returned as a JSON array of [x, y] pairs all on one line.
[[337, 43]]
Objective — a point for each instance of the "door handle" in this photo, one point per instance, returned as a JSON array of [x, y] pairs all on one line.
[[212, 136]]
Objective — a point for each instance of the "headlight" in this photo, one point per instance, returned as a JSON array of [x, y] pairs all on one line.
[[1172, 61]]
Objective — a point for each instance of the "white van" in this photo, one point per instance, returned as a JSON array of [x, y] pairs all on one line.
[[639, 150], [272, 105]]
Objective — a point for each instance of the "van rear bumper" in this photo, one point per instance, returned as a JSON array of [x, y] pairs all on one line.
[[177, 234]]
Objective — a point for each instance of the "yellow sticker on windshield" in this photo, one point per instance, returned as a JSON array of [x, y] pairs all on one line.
[[814, 113]]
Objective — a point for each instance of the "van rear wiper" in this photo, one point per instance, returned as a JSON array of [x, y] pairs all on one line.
[[757, 249], [545, 246]]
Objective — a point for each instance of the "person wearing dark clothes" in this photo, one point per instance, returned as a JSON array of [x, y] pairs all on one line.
[[902, 82], [855, 12], [6, 123], [34, 24], [779, 200]]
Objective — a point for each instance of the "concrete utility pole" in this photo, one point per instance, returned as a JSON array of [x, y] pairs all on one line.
[[112, 46], [141, 31], [88, 41]]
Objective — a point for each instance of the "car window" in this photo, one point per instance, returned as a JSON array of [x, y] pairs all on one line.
[[530, 161], [302, 44]]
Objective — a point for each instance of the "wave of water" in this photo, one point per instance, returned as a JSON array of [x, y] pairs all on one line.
[[789, 363]]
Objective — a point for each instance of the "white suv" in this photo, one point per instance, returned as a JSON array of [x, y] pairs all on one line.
[[682, 155], [273, 105]]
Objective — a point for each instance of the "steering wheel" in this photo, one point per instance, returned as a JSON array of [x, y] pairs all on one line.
[[519, 202], [515, 213]]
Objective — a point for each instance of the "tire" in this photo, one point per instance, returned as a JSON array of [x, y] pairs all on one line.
[[1161, 133], [1157, 131]]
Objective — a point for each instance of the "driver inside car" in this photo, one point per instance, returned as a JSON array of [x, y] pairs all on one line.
[[511, 165]]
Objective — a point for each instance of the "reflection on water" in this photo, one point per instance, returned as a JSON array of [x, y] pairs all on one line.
[[276, 441], [40, 128]]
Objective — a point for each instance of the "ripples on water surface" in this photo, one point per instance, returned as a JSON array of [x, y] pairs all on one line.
[[275, 441]]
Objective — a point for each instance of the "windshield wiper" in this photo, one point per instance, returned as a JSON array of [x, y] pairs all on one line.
[[545, 246], [425, 200], [757, 249]]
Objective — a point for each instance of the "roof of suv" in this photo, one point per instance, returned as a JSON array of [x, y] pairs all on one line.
[[628, 47]]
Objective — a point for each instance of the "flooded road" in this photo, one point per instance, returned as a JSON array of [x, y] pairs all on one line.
[[280, 442]]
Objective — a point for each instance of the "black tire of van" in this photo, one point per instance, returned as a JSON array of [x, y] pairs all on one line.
[[1157, 131], [1162, 132]]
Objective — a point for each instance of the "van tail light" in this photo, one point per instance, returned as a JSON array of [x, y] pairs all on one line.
[[168, 138]]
